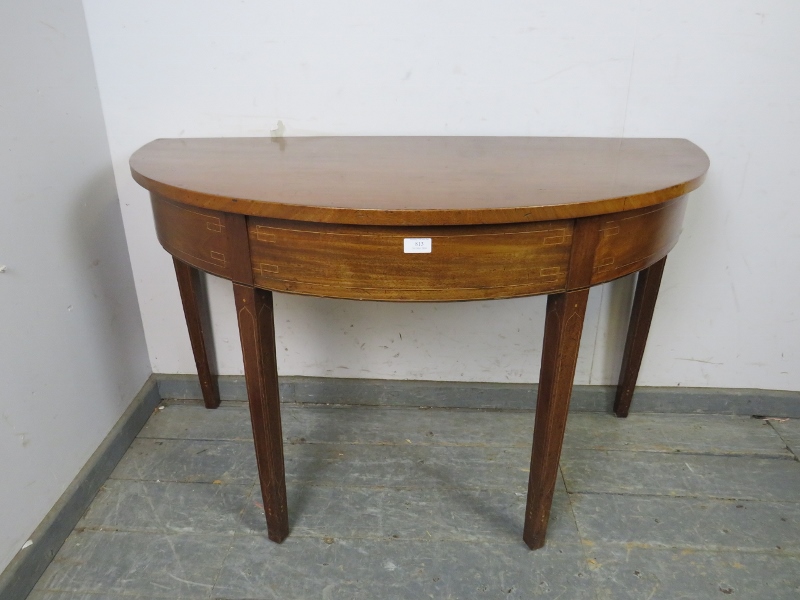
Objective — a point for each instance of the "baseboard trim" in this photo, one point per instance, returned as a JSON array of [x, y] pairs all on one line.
[[447, 394], [24, 570]]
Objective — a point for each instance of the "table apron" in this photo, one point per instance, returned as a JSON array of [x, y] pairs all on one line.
[[476, 262]]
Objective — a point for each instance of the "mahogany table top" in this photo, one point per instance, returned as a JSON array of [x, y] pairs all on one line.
[[420, 180]]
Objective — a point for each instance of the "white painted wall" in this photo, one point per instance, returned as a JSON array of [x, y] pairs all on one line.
[[72, 349], [723, 73]]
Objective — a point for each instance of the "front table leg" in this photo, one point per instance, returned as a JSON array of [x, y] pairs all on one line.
[[257, 331], [562, 335]]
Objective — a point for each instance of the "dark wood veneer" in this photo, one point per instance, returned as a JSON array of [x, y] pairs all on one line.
[[420, 180], [466, 263], [634, 240], [506, 217]]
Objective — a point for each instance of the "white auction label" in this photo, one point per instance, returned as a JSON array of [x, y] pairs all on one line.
[[416, 245]]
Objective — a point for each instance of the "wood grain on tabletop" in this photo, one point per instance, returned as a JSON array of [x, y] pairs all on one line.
[[420, 180]]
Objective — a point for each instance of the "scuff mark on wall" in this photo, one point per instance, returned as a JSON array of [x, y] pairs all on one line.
[[277, 135], [24, 440]]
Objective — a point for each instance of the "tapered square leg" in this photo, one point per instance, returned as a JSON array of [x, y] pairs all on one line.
[[195, 310], [562, 335], [257, 331], [644, 303]]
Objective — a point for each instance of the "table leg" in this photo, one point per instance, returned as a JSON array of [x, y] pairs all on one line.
[[195, 310], [644, 303], [562, 336], [257, 331]]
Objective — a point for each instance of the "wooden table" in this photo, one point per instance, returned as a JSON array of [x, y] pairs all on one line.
[[419, 219]]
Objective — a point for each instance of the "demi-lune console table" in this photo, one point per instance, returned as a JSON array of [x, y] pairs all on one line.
[[419, 219]]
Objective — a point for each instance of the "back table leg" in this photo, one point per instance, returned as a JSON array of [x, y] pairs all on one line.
[[644, 303], [562, 335], [257, 331], [196, 313]]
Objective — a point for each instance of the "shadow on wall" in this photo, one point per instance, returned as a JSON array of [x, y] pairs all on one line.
[[615, 316], [103, 268], [478, 340]]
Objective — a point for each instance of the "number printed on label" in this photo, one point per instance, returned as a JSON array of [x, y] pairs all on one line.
[[416, 245]]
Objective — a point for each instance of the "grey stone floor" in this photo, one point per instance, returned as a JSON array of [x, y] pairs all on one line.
[[396, 502]]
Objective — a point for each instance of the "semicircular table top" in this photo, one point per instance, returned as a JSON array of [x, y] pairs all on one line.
[[420, 180]]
